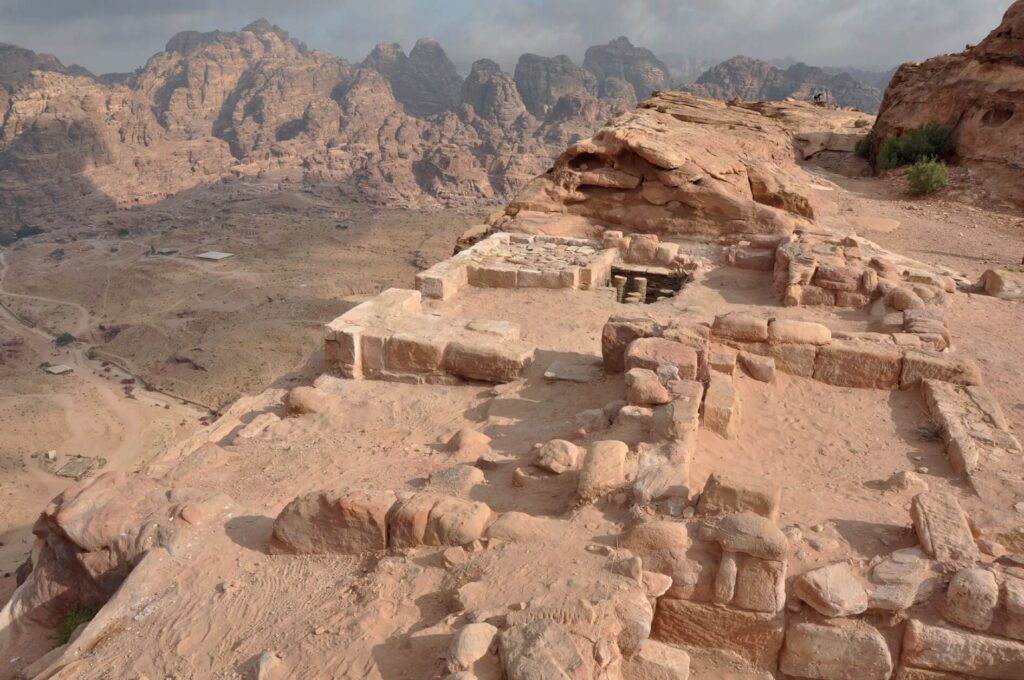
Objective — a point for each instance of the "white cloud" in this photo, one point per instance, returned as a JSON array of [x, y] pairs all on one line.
[[108, 35]]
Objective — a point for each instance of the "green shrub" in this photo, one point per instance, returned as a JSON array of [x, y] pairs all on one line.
[[861, 123], [72, 620], [927, 177], [863, 148], [928, 141], [27, 231], [64, 339]]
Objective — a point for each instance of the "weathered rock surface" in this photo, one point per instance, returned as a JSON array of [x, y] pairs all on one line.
[[340, 522], [91, 536], [692, 179], [979, 93], [833, 590], [836, 653]]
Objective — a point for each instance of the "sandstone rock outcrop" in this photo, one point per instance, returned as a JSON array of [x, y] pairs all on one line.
[[90, 537], [676, 166], [979, 93]]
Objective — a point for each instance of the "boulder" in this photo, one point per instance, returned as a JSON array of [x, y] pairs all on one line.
[[832, 590], [470, 644], [469, 443], [558, 456], [853, 652], [454, 521], [333, 522], [407, 523], [644, 388], [604, 469], [972, 599]]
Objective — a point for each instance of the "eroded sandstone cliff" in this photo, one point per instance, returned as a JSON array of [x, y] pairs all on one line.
[[980, 94], [401, 128]]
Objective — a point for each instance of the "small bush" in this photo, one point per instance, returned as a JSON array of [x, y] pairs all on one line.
[[927, 177], [861, 123], [932, 432], [863, 148], [72, 620], [928, 141], [64, 339]]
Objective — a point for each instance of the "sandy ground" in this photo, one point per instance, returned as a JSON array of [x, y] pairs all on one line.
[[829, 448], [207, 332]]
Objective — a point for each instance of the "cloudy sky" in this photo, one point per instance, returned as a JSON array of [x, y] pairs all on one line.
[[119, 35]]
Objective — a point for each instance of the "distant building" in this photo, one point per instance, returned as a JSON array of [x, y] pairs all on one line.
[[214, 255], [59, 369]]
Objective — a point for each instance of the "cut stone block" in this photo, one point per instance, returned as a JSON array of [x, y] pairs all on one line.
[[725, 578], [942, 529], [833, 590], [781, 331], [619, 333], [957, 651], [650, 353], [754, 637], [727, 494], [723, 359], [492, 276], [848, 363], [680, 418], [489, 361], [415, 352], [919, 365], [722, 407], [741, 327], [901, 580], [443, 281], [758, 367], [603, 469], [849, 652], [760, 585]]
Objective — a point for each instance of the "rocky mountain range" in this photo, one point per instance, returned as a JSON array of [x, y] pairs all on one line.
[[754, 80], [401, 128]]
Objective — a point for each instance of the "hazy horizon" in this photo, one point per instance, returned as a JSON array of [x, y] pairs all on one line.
[[120, 35]]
